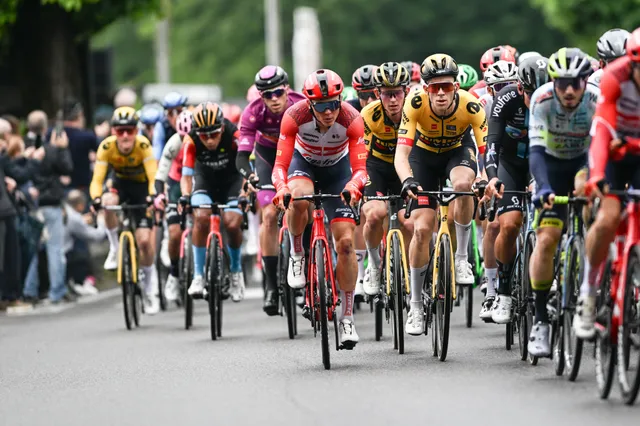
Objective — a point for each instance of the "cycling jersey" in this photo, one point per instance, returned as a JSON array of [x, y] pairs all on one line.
[[508, 131], [168, 166], [137, 166], [595, 78], [161, 134], [479, 89], [380, 133], [486, 101], [355, 103], [259, 124], [219, 161], [299, 132], [441, 134]]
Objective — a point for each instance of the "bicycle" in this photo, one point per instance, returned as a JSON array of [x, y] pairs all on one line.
[[321, 291], [439, 293], [161, 270], [618, 320], [127, 272], [395, 280], [185, 264]]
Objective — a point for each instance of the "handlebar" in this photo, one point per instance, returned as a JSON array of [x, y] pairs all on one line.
[[243, 202], [443, 197], [317, 200], [127, 207]]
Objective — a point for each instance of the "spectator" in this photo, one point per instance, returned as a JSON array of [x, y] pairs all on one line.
[[102, 118], [11, 175], [13, 122], [57, 162], [36, 129], [79, 266], [125, 97], [5, 128]]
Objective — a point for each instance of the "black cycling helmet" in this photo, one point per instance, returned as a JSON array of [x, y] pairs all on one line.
[[362, 78], [532, 73], [391, 74]]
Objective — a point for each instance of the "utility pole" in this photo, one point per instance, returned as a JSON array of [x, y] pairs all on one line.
[[272, 32], [162, 45], [306, 44]]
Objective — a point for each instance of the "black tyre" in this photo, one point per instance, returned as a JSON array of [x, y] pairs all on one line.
[[213, 275], [398, 290], [288, 294], [443, 297], [468, 303], [186, 276], [558, 335], [573, 278], [629, 334], [225, 282], [527, 300], [126, 281], [161, 270], [605, 352], [321, 288]]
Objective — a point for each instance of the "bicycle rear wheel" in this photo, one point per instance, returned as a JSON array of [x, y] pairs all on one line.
[[573, 278], [443, 297], [398, 289], [321, 289], [527, 299], [225, 282], [126, 281], [468, 303], [629, 333], [288, 298], [162, 277], [605, 351], [186, 276], [213, 276]]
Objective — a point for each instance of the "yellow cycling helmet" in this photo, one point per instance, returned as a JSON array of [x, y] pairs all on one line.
[[124, 116], [391, 74], [438, 65]]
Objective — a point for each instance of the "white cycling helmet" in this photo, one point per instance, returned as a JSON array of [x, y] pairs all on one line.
[[526, 55], [501, 72]]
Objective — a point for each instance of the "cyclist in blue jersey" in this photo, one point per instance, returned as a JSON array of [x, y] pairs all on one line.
[[173, 104]]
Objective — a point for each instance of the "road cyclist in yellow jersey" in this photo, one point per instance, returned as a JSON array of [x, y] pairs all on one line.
[[131, 158], [439, 119]]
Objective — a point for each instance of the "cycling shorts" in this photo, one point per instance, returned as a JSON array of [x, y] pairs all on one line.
[[623, 172], [131, 192], [515, 177], [265, 159], [562, 174], [382, 180], [173, 218], [213, 188], [329, 180]]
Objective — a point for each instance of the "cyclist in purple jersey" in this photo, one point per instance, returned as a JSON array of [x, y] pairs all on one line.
[[260, 123]]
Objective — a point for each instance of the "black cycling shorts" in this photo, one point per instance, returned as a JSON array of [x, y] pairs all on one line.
[[515, 177], [623, 172], [212, 188], [562, 174], [382, 180], [131, 192]]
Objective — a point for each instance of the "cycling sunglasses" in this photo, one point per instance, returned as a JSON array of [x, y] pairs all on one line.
[[268, 94], [326, 106], [366, 95], [388, 94], [499, 86], [563, 83], [446, 87], [209, 133], [121, 131]]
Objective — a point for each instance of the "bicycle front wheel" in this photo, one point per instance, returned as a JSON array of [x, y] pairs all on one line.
[[160, 269], [573, 279], [125, 275], [443, 297], [528, 307], [398, 289], [287, 294], [213, 274], [186, 276], [629, 333], [605, 351], [321, 297]]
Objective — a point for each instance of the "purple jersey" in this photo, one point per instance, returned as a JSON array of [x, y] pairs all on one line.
[[258, 123]]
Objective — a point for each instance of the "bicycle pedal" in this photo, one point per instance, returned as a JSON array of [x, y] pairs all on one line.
[[306, 312]]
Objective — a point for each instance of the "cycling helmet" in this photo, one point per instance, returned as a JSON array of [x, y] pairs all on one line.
[[501, 72], [174, 100], [391, 74], [438, 65], [252, 93], [150, 114], [207, 115], [498, 53], [514, 52], [322, 84], [231, 112], [362, 78], [269, 77], [414, 70], [124, 116], [184, 122], [349, 93], [532, 73], [633, 46], [487, 76], [467, 76], [569, 62], [527, 55], [612, 44]]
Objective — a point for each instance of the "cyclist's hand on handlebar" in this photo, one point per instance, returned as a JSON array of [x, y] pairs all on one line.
[[251, 181], [96, 205], [409, 188], [354, 194], [278, 200], [544, 198], [479, 187], [494, 188], [596, 187], [183, 202], [160, 201]]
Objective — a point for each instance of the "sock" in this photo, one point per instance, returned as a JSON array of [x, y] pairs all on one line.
[[235, 256], [112, 236], [360, 256], [149, 282], [588, 287], [174, 269], [492, 276], [479, 234], [540, 302], [416, 305], [347, 304], [296, 245], [463, 232], [374, 256], [504, 273], [199, 254], [270, 267], [417, 280]]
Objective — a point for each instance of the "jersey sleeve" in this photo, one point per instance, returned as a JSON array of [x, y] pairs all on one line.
[[284, 151], [100, 169], [248, 130], [409, 122], [357, 151], [603, 126], [149, 163], [169, 153], [497, 123], [538, 130], [368, 134], [479, 125], [188, 156]]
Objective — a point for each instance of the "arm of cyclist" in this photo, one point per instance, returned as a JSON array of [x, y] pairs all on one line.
[[150, 165], [406, 133], [188, 165], [357, 159], [158, 140], [538, 134], [494, 145], [99, 172], [247, 141], [284, 153]]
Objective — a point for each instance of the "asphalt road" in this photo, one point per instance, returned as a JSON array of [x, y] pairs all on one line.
[[82, 367]]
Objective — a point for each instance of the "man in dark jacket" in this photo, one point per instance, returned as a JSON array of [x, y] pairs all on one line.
[[56, 163]]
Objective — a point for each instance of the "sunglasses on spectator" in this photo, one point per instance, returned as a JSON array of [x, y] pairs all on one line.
[[435, 87], [499, 86], [365, 96], [563, 83], [174, 112], [388, 94], [121, 131], [326, 106], [269, 94], [209, 133]]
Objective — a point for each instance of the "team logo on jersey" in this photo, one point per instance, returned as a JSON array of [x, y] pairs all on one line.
[[472, 155], [473, 107], [252, 119], [416, 102]]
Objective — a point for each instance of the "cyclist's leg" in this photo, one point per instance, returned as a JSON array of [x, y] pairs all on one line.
[[490, 234], [175, 234], [232, 219], [111, 198], [200, 230]]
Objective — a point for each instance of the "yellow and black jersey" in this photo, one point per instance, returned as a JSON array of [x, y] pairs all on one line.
[[380, 134], [137, 166], [441, 134]]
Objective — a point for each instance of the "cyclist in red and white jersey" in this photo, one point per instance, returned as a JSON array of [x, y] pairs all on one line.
[[490, 57], [322, 141], [617, 116]]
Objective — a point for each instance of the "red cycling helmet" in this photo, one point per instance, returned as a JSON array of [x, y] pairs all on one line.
[[322, 84], [633, 45], [231, 112], [415, 72], [495, 54]]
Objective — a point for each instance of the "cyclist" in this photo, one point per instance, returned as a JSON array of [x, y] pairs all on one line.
[[321, 140], [362, 81], [209, 175], [440, 119], [131, 157], [467, 76], [168, 175], [381, 121], [497, 76], [261, 122], [491, 56], [150, 114], [561, 113], [414, 75], [507, 162], [232, 113], [349, 95], [611, 45], [617, 116], [173, 104], [527, 55]]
